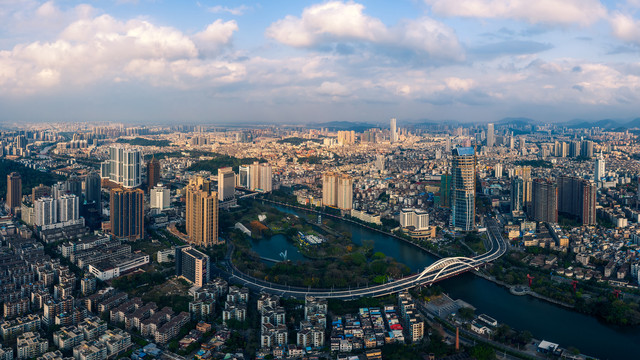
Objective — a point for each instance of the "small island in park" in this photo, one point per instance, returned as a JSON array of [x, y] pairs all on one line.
[[331, 259]]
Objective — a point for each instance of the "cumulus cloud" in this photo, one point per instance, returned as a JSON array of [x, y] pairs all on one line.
[[106, 49], [625, 27], [216, 35], [338, 21], [582, 12]]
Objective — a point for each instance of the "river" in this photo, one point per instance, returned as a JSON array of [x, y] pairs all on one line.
[[544, 320]]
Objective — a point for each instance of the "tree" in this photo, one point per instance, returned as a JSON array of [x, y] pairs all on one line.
[[466, 313], [482, 352]]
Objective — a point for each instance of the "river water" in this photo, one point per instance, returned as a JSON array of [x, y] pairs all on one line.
[[544, 320]]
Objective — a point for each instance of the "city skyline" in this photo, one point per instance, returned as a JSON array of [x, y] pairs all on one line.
[[290, 62]]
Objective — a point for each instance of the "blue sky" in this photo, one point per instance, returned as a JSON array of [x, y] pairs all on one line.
[[295, 62]]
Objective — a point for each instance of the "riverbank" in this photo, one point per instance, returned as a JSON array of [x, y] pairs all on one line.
[[528, 292], [429, 251]]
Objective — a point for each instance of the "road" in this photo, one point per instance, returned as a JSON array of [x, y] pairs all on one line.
[[442, 269]]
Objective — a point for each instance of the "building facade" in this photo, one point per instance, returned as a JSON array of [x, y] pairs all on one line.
[[14, 192], [202, 212], [127, 213], [463, 189]]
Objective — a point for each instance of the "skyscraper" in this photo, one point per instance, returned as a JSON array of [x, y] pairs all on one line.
[[491, 136], [330, 189], [545, 201], [91, 188], [123, 166], [599, 169], [202, 213], [226, 184], [153, 173], [577, 197], [14, 192], [463, 188], [127, 213], [345, 192], [587, 149], [445, 190], [517, 194], [394, 131], [193, 265], [266, 177]]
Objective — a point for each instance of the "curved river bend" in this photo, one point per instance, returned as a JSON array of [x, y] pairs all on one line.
[[544, 320]]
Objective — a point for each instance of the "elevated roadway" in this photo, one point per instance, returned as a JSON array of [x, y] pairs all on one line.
[[441, 269]]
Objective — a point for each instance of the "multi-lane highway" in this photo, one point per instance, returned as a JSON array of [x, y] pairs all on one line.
[[442, 269]]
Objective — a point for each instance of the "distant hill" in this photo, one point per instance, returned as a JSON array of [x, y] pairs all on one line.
[[603, 124], [635, 123], [343, 125], [517, 121]]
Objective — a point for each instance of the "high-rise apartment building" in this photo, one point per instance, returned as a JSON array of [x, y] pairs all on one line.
[[497, 170], [346, 137], [491, 135], [46, 211], [153, 173], [599, 169], [586, 149], [577, 197], [330, 189], [123, 166], [517, 194], [159, 198], [202, 212], [244, 176], [345, 192], [545, 201], [226, 184], [337, 190], [266, 177], [14, 192], [68, 208], [257, 176], [127, 213], [91, 188], [193, 265], [445, 190], [40, 191], [393, 131], [463, 188]]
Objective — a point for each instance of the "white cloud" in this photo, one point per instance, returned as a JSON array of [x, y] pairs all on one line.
[[338, 21], [237, 11], [333, 89], [216, 35], [583, 12], [105, 49], [625, 27], [457, 84]]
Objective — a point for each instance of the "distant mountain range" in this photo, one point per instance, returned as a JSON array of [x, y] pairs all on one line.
[[608, 124], [576, 123], [343, 125], [604, 124]]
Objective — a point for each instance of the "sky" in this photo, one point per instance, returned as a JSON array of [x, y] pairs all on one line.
[[297, 62]]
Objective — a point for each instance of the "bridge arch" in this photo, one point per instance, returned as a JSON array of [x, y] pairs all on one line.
[[445, 263]]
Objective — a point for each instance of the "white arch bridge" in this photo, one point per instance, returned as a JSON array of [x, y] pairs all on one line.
[[439, 270]]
